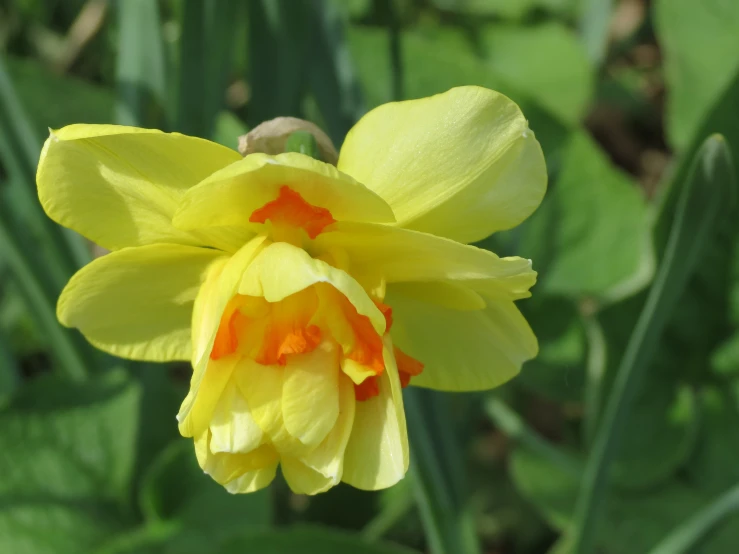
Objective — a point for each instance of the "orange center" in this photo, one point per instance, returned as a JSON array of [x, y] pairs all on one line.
[[269, 332], [289, 208]]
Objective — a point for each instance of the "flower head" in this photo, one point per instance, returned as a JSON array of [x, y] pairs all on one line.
[[305, 295]]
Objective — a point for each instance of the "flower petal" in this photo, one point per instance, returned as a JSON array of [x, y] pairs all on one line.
[[198, 408], [252, 481], [302, 479], [376, 456], [462, 164], [401, 255], [462, 350], [282, 269], [232, 426], [229, 196], [310, 395], [120, 186], [219, 287], [137, 303], [328, 458]]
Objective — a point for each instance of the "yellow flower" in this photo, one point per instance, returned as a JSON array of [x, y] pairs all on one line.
[[306, 295]]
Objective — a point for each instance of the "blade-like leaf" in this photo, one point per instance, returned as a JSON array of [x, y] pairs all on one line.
[[705, 198]]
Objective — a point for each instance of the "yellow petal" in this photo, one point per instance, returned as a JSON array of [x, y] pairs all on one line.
[[376, 456], [303, 480], [400, 255], [220, 285], [462, 350], [229, 196], [262, 387], [328, 458], [462, 164], [232, 426], [282, 269], [214, 295], [310, 395], [197, 410], [356, 371], [252, 481], [120, 186], [224, 468], [137, 303], [447, 294]]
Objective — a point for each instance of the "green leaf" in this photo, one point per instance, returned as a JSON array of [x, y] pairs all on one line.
[[595, 20], [307, 540], [228, 130], [206, 45], [701, 61], [438, 476], [592, 205], [74, 100], [176, 490], [705, 199], [331, 76], [635, 522], [558, 372], [141, 73], [510, 9], [546, 63], [69, 456], [276, 42]]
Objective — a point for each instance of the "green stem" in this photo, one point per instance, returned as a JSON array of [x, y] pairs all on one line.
[[702, 198], [383, 522], [595, 369], [684, 538]]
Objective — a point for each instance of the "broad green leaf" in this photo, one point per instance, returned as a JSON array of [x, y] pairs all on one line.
[[712, 467], [176, 490], [595, 23], [634, 522], [558, 372], [510, 9], [701, 60], [141, 73], [69, 453], [594, 234], [307, 540], [546, 62]]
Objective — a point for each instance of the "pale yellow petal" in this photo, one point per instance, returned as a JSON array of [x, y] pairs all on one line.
[[120, 186], [310, 395], [224, 467], [462, 350], [376, 456], [401, 255], [282, 269], [232, 426], [356, 371], [196, 411], [137, 303], [303, 480], [328, 458], [462, 164], [252, 481], [220, 285], [229, 196]]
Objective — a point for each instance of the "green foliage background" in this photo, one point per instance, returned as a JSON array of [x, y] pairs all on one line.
[[620, 438]]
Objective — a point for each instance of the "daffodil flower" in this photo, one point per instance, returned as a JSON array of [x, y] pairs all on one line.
[[306, 295]]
